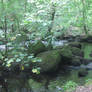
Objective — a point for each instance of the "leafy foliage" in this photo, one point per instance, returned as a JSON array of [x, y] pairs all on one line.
[[70, 86], [22, 21]]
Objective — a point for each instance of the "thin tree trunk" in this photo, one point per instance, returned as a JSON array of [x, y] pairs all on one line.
[[84, 17], [25, 5], [52, 18], [51, 25], [5, 31]]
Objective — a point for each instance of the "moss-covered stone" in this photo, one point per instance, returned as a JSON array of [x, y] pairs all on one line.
[[66, 52], [50, 60], [69, 54], [36, 48], [69, 51]]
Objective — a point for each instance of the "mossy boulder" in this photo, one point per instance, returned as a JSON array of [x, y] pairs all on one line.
[[66, 52], [70, 55], [69, 51], [50, 60], [36, 48]]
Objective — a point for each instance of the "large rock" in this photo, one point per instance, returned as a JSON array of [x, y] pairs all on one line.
[[50, 60], [66, 52], [71, 55], [36, 48], [69, 51]]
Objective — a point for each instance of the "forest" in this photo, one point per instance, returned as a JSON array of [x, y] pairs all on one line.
[[45, 45]]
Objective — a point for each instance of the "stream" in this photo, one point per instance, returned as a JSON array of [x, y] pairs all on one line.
[[55, 83]]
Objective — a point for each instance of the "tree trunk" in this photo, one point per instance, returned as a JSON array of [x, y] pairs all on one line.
[[52, 18], [5, 31], [84, 17]]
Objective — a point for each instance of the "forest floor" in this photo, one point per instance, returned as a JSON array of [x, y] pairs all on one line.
[[84, 88]]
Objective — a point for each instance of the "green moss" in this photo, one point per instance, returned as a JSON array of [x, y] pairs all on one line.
[[50, 60], [66, 52], [69, 51], [69, 54], [36, 48]]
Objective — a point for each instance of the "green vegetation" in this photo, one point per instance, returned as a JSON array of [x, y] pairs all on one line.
[[44, 37], [70, 86], [88, 82], [23, 21]]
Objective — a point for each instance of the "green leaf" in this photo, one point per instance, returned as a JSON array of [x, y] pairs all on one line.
[[18, 60]]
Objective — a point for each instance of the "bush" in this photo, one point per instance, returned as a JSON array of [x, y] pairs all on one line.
[[69, 86]]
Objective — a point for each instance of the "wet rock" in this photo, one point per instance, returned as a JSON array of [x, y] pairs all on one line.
[[82, 72], [86, 39], [76, 44], [50, 60], [36, 48], [66, 52], [69, 38], [71, 55], [69, 51]]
